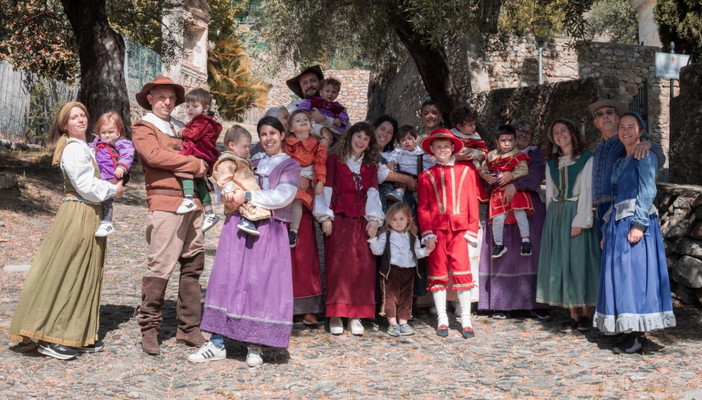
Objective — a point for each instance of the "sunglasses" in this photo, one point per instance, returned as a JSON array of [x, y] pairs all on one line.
[[600, 113]]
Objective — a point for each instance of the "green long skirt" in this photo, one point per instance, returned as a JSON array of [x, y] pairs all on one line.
[[569, 267], [60, 301]]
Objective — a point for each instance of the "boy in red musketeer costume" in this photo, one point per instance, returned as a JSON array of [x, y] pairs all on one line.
[[502, 166], [448, 217]]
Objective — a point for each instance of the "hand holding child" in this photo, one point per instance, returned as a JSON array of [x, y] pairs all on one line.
[[327, 227], [372, 228], [318, 116], [120, 190], [505, 178], [488, 177], [337, 122], [319, 188]]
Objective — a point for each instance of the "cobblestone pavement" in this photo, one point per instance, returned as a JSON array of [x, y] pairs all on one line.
[[511, 358]]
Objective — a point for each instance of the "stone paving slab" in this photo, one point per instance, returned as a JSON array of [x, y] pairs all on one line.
[[508, 359]]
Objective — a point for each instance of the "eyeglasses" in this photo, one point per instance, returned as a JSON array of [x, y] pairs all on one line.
[[600, 113], [524, 131]]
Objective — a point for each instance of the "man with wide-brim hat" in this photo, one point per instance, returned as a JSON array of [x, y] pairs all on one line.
[[448, 215], [605, 113], [173, 238]]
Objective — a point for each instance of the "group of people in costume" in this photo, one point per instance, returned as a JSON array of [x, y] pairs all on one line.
[[399, 210]]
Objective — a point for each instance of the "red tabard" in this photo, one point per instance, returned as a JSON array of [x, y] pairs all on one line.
[[520, 201]]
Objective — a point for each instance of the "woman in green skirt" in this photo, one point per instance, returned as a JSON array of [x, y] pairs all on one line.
[[569, 263], [60, 303]]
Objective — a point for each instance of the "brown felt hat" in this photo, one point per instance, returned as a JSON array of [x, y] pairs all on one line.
[[160, 81], [441, 133], [294, 82], [619, 107]]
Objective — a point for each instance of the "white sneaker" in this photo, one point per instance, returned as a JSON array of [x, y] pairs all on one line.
[[356, 327], [209, 221], [208, 352], [188, 205], [253, 358], [336, 327], [104, 229]]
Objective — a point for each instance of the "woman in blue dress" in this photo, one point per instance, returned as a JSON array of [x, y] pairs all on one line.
[[634, 294]]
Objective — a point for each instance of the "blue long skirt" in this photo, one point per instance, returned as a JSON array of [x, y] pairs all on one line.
[[634, 292]]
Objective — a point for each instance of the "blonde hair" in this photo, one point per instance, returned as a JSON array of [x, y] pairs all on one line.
[[58, 126], [400, 208], [105, 119], [235, 133]]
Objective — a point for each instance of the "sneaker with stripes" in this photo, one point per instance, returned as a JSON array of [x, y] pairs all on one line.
[[208, 352]]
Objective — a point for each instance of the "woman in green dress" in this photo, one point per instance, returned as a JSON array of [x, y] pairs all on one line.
[[60, 303], [569, 262]]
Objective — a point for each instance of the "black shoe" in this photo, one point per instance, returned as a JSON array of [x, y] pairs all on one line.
[[93, 348], [569, 326], [541, 314], [499, 315], [442, 331], [468, 332], [584, 324], [498, 251], [292, 238], [57, 351], [633, 344], [526, 249]]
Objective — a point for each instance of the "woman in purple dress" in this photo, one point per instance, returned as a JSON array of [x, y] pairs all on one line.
[[250, 296], [509, 282]]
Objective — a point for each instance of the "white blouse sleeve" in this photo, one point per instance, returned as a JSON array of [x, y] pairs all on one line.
[[420, 251], [273, 199], [321, 208], [78, 166], [383, 172], [584, 218], [377, 244], [550, 187], [374, 208]]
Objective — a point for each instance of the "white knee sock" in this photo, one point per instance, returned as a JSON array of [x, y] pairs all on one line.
[[464, 301], [440, 304]]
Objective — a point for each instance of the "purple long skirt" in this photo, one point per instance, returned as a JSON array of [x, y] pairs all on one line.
[[250, 296], [509, 282]]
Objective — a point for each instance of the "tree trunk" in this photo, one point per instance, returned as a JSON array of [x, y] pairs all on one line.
[[101, 52]]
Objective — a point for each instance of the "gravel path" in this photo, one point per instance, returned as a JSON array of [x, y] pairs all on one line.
[[511, 358]]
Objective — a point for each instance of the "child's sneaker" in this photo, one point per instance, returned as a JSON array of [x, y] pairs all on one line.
[[104, 229], [292, 238], [248, 227], [188, 205], [526, 248], [254, 357], [208, 352], [406, 330], [209, 221], [498, 251], [396, 196], [394, 330]]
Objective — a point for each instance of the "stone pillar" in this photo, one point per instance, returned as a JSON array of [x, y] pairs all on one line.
[[648, 29]]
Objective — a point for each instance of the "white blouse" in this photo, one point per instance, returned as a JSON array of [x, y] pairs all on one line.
[[374, 208], [281, 195], [400, 253], [77, 163], [582, 192]]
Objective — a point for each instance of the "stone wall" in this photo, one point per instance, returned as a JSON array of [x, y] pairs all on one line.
[[680, 212], [686, 128]]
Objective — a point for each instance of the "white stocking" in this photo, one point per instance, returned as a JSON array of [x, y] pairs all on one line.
[[464, 300], [440, 304]]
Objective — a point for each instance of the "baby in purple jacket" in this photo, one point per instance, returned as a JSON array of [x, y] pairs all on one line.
[[336, 119], [114, 154]]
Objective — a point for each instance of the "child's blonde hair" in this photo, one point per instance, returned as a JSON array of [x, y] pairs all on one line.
[[235, 133], [105, 119], [400, 208]]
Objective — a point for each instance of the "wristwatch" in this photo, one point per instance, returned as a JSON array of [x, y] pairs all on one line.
[[247, 196]]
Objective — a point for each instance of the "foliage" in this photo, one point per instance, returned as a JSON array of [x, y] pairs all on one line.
[[614, 21], [517, 16], [36, 36], [231, 84], [680, 21]]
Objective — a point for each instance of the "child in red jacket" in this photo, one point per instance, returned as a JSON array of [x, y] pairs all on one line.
[[448, 218], [200, 140]]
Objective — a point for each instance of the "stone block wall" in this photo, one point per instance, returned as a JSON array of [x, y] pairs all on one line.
[[680, 213], [686, 128]]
